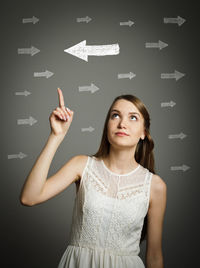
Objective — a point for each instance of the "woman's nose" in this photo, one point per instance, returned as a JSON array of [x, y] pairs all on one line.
[[122, 122]]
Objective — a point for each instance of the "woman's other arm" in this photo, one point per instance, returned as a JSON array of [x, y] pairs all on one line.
[[155, 218]]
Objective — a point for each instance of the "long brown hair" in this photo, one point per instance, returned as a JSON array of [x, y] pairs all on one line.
[[144, 149]]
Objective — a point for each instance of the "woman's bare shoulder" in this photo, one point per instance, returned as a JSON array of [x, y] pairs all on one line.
[[81, 161], [158, 186], [157, 181]]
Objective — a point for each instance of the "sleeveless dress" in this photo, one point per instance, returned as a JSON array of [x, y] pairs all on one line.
[[108, 216]]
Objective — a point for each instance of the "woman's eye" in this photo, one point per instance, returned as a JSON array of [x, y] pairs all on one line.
[[134, 116], [113, 115]]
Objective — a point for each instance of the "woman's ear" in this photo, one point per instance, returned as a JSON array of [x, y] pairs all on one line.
[[143, 135]]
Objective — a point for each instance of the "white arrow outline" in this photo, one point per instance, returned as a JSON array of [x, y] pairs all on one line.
[[82, 51]]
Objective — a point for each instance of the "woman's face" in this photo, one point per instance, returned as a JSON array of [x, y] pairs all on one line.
[[125, 117]]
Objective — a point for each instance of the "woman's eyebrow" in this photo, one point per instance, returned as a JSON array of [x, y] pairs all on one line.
[[115, 110]]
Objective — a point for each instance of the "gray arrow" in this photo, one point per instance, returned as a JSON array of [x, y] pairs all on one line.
[[46, 74], [90, 129], [33, 20], [177, 20], [128, 75], [177, 136], [168, 104], [91, 88], [176, 75], [183, 168], [159, 45], [86, 19], [30, 121], [20, 155], [32, 51], [24, 93], [126, 23]]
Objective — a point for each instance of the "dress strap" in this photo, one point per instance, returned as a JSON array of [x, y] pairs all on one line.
[[89, 159], [147, 187]]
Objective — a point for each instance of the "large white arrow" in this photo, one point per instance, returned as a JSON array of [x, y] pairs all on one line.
[[82, 51]]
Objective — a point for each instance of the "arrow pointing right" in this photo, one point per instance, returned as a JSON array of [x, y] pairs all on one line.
[[177, 20], [176, 75], [90, 129], [32, 51], [128, 75], [20, 155], [177, 136], [183, 168], [126, 23], [159, 45], [91, 88], [86, 19], [46, 74], [33, 20], [25, 93], [30, 121], [168, 104]]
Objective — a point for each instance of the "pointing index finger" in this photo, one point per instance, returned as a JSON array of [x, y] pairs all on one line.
[[61, 98]]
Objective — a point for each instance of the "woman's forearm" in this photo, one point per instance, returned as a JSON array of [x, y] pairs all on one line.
[[155, 262], [37, 177]]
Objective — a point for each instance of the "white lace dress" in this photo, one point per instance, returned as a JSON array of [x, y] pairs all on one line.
[[108, 216]]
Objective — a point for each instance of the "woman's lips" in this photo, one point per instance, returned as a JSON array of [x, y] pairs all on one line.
[[121, 134]]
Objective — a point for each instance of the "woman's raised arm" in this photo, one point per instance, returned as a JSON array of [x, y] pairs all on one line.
[[60, 120]]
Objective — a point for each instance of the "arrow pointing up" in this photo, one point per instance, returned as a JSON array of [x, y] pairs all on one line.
[[82, 51]]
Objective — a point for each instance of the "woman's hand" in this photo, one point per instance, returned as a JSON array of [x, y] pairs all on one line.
[[61, 118]]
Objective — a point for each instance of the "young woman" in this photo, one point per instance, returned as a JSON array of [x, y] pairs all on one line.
[[120, 201]]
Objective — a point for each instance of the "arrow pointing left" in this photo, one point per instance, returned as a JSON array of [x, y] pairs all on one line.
[[32, 51], [82, 51]]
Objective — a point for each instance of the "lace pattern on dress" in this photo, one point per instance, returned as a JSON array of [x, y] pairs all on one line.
[[110, 209]]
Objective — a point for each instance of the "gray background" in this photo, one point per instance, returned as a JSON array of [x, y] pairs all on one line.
[[37, 236]]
